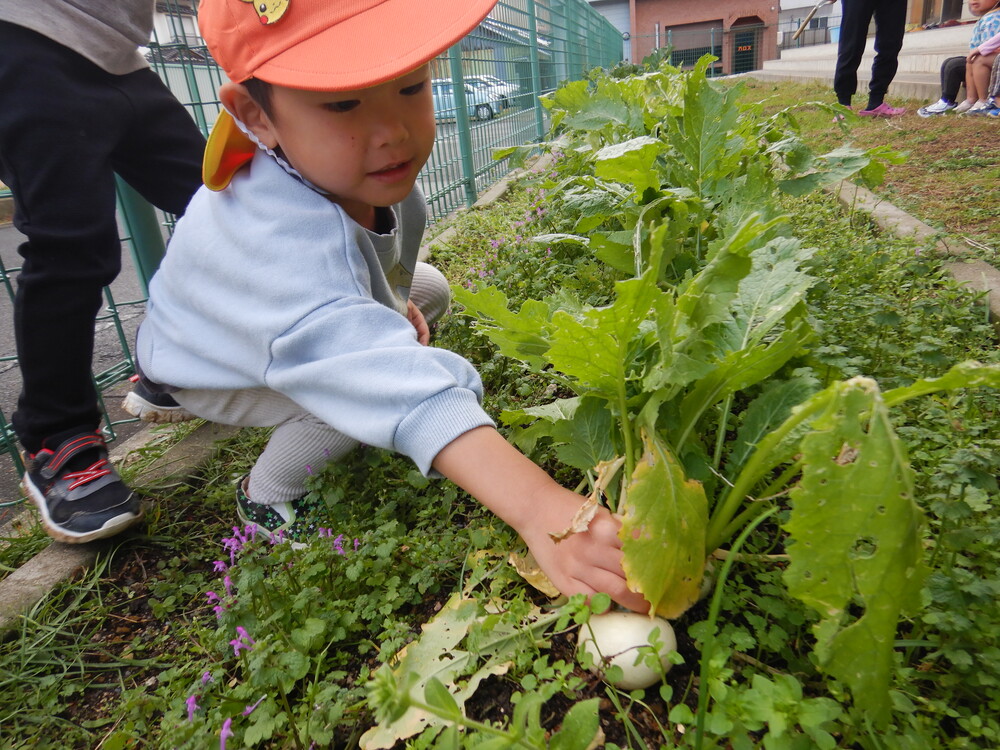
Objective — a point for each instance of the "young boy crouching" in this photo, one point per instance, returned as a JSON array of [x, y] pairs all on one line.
[[291, 295]]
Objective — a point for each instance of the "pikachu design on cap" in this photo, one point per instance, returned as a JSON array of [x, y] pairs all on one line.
[[269, 11]]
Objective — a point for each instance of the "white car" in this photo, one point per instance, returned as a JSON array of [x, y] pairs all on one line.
[[480, 104], [501, 91]]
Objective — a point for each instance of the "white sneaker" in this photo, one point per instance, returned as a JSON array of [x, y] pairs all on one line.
[[964, 107], [937, 108], [977, 107]]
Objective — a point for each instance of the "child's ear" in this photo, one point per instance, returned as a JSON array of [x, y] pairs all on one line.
[[236, 98]]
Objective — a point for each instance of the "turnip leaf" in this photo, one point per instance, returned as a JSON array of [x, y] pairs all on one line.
[[664, 516], [856, 552]]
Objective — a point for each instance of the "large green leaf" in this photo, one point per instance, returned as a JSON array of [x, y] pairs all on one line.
[[520, 335], [664, 516], [738, 371], [702, 135], [630, 163], [856, 553], [765, 413], [593, 347], [775, 287]]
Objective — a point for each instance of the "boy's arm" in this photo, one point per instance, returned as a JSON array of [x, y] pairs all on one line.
[[508, 483]]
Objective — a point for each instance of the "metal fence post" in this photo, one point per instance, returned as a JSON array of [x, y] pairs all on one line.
[[143, 227], [536, 69], [462, 123]]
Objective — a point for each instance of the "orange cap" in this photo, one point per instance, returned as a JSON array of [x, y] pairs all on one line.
[[332, 45]]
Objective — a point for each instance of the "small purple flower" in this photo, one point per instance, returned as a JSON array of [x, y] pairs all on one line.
[[243, 641], [494, 244], [357, 543], [219, 566], [218, 609], [309, 469], [192, 706], [226, 733], [206, 678], [250, 709], [228, 583], [338, 544], [212, 597]]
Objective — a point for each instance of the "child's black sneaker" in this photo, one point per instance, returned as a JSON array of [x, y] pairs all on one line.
[[149, 406], [295, 521], [79, 493]]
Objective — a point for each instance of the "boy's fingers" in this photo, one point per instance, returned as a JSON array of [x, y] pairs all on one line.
[[614, 586]]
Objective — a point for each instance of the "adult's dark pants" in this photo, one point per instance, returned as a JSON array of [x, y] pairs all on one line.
[[66, 128], [890, 24], [952, 77]]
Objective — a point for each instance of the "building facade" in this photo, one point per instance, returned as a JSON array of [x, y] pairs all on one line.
[[741, 33]]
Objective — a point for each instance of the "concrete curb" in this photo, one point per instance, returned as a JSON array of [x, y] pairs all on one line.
[[965, 269]]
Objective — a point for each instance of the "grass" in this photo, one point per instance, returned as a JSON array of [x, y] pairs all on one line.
[[951, 174]]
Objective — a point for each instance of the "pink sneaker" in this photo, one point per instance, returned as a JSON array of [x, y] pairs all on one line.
[[883, 110]]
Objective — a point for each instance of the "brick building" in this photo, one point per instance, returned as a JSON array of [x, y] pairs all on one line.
[[741, 33]]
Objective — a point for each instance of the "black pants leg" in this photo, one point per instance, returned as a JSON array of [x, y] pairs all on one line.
[[890, 25], [66, 126], [857, 15], [952, 78]]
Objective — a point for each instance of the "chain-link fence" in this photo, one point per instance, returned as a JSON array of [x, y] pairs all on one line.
[[486, 91]]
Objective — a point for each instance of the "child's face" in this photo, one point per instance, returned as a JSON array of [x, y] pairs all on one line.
[[979, 7], [364, 147]]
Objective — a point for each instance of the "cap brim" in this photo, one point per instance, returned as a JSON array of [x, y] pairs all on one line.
[[228, 148], [379, 45]]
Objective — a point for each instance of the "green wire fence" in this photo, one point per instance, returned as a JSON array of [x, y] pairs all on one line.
[[486, 93]]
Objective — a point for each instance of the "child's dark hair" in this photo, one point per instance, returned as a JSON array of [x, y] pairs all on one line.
[[260, 92]]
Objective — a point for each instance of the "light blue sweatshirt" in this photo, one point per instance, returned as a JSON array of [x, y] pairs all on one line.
[[268, 283]]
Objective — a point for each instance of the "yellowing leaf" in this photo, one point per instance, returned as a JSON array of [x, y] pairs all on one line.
[[606, 471], [436, 656], [664, 518], [527, 567], [581, 519]]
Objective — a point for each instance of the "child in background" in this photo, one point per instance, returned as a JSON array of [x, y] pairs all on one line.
[[291, 295], [974, 69]]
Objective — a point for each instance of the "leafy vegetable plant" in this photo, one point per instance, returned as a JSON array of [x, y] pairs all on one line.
[[695, 408]]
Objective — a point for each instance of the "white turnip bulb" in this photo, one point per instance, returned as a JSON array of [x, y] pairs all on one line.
[[617, 638]]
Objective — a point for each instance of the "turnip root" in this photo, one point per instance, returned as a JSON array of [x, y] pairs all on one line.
[[615, 638]]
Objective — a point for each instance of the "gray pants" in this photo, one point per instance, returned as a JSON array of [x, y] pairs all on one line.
[[301, 444]]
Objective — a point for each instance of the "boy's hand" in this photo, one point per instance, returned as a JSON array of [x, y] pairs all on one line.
[[508, 483], [416, 319], [584, 562]]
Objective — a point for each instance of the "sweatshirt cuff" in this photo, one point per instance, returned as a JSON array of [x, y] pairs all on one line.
[[436, 422]]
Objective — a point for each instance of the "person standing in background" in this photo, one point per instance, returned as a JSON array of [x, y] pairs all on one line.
[[78, 104], [890, 24]]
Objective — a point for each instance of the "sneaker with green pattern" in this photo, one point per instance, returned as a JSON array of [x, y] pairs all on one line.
[[294, 521]]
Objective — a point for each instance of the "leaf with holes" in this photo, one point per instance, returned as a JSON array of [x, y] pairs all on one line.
[[856, 556]]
